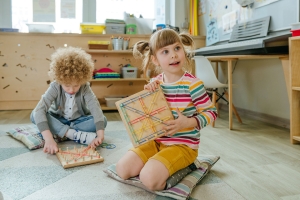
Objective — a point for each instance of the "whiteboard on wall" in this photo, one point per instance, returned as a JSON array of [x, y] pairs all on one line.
[[283, 13]]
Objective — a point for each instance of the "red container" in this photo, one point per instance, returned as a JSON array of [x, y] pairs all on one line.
[[295, 32]]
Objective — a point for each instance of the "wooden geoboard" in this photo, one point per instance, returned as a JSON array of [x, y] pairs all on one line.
[[72, 157], [144, 114]]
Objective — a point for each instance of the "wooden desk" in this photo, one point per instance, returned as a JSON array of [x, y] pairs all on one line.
[[230, 58]]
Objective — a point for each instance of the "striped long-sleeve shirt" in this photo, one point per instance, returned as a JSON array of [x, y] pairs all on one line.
[[189, 95]]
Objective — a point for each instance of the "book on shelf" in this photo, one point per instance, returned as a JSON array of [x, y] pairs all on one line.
[[9, 30]]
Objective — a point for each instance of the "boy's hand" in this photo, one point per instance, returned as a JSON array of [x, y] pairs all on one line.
[[50, 145], [174, 126], [98, 140], [152, 86]]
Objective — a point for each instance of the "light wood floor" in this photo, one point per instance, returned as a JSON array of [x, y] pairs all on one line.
[[257, 159]]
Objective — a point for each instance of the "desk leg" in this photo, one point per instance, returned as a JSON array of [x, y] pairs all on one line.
[[286, 71], [230, 92]]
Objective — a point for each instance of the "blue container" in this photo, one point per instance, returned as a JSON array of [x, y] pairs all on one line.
[[160, 26]]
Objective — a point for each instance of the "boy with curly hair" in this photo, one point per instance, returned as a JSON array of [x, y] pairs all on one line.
[[69, 108]]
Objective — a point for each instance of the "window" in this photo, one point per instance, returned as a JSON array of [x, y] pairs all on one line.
[[115, 9], [23, 12]]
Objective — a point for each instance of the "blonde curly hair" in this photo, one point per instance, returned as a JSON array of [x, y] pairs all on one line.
[[71, 64], [164, 37]]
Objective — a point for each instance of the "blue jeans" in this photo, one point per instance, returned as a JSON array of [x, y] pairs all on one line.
[[59, 125]]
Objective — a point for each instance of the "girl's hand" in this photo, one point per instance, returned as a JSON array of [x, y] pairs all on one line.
[[98, 140], [152, 86], [174, 126]]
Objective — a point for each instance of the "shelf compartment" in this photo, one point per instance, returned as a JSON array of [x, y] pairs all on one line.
[[121, 79], [110, 51], [296, 138], [296, 88]]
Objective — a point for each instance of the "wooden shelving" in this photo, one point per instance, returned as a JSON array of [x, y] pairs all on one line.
[[121, 79], [296, 88], [115, 60], [294, 50], [25, 59], [109, 51], [296, 138]]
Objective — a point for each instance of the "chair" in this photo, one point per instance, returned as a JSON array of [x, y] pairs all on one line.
[[205, 72]]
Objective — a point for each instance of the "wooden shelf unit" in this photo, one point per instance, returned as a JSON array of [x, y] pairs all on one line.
[[294, 51], [25, 59], [115, 60], [114, 88], [110, 51], [121, 79]]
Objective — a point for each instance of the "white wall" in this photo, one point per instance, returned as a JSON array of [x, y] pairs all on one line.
[[178, 11], [5, 14], [259, 86], [89, 11]]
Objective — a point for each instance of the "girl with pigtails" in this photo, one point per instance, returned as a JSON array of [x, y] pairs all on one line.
[[155, 161]]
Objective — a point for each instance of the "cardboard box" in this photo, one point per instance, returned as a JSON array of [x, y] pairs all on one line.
[[111, 100]]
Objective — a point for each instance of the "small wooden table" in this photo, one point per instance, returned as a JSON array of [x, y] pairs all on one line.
[[230, 58]]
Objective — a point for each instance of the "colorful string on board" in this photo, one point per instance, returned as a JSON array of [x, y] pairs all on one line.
[[78, 154], [147, 117]]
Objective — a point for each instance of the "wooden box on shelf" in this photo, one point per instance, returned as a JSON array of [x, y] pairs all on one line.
[[98, 46]]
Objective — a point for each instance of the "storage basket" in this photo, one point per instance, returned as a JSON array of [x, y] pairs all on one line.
[[40, 28], [115, 28], [111, 100], [295, 32], [129, 72], [160, 26], [92, 28], [295, 26], [131, 29], [144, 26]]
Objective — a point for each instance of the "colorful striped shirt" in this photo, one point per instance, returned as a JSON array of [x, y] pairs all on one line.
[[189, 95]]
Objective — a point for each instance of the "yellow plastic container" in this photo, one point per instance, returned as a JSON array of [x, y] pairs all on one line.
[[92, 28]]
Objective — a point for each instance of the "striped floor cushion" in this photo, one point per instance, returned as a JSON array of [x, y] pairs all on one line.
[[184, 186], [31, 136]]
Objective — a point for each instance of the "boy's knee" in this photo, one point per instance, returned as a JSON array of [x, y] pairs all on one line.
[[105, 122], [32, 117]]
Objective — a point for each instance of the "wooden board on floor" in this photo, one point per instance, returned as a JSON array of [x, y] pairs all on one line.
[[72, 157], [144, 114]]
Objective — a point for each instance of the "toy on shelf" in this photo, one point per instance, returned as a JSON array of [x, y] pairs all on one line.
[[72, 157], [144, 114]]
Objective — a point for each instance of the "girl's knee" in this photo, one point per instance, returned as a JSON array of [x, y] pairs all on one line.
[[121, 171], [129, 166], [153, 180]]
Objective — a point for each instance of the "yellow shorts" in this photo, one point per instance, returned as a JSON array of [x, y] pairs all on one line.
[[174, 157]]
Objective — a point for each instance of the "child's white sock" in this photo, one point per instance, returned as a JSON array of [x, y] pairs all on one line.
[[81, 136]]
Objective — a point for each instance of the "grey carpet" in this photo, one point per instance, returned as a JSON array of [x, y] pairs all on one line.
[[28, 175]]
